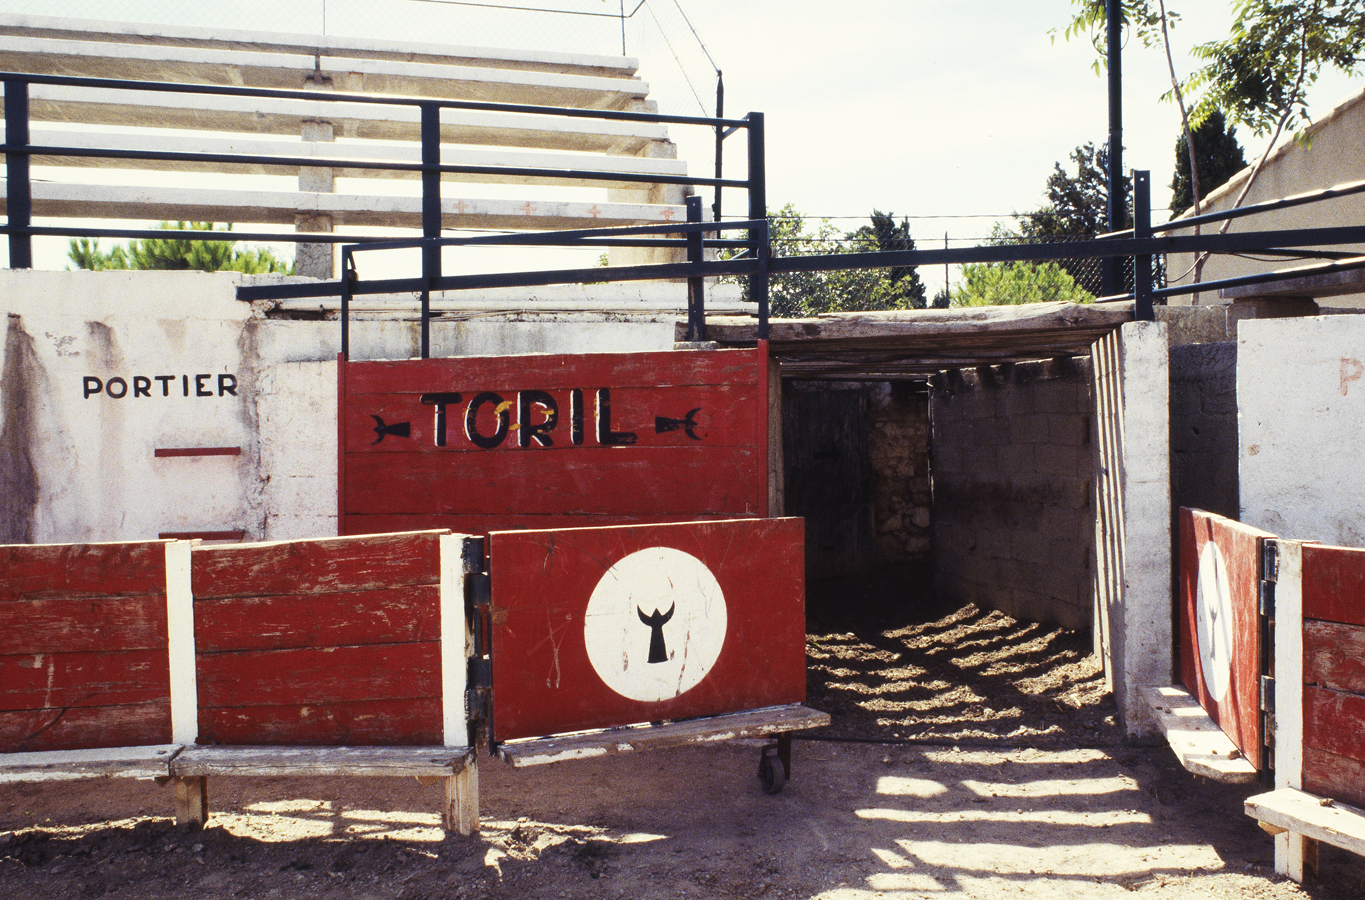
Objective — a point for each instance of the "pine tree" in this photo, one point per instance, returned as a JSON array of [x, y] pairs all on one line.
[[175, 253], [1217, 154]]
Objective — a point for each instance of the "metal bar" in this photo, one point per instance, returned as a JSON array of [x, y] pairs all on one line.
[[696, 297], [1262, 278], [431, 214], [348, 279], [1341, 190], [1112, 273], [1142, 262], [257, 159], [758, 212], [567, 238], [343, 97], [19, 200], [720, 144]]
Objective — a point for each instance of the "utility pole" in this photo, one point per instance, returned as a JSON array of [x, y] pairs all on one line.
[[1112, 279]]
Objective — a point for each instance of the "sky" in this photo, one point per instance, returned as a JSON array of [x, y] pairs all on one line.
[[948, 112]]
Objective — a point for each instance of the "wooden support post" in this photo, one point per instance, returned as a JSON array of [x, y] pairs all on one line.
[[1296, 855], [461, 811], [192, 801]]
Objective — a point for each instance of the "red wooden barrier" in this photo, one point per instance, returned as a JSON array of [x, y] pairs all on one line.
[[333, 642], [597, 627], [482, 444], [1219, 625], [1334, 672], [83, 637]]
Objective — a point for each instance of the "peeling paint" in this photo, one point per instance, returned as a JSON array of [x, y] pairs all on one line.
[[18, 476]]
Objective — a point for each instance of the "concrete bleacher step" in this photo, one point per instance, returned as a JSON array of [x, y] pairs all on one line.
[[57, 27], [372, 210], [260, 115], [285, 70], [329, 153]]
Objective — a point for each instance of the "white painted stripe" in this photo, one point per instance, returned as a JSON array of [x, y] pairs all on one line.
[[180, 628], [1288, 652], [454, 643]]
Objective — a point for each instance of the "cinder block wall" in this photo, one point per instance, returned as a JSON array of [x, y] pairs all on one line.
[[1204, 427], [1013, 479]]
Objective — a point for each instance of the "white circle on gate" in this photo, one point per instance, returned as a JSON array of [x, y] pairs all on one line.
[[1213, 621], [655, 624]]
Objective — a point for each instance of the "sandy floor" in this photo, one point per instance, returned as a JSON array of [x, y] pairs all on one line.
[[1002, 774]]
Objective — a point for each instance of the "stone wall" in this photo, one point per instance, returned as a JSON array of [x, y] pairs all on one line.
[[898, 451], [1013, 478]]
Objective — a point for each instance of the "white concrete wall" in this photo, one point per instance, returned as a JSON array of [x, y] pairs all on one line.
[[1133, 517], [1330, 157], [78, 464], [1301, 411]]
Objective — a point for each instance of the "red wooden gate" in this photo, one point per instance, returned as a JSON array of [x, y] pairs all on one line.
[[1220, 626], [598, 627], [545, 441], [1334, 672]]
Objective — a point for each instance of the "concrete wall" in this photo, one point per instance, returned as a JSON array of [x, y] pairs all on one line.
[[1330, 157], [100, 369], [1204, 427], [1133, 520], [1301, 403], [1014, 522]]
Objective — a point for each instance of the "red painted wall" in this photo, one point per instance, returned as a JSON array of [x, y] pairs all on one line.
[[83, 646], [1334, 672], [478, 444], [331, 642]]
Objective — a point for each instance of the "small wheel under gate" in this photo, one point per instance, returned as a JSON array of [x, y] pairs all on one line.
[[774, 764]]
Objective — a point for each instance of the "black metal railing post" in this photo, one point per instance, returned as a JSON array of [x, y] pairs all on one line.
[[19, 187], [431, 213], [348, 279], [1142, 231], [720, 144], [1112, 272], [696, 296], [758, 212]]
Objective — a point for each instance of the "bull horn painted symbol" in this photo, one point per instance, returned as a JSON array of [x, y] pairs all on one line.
[[688, 423], [657, 651], [397, 429]]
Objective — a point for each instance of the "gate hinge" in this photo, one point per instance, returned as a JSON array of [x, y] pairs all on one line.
[[1268, 694], [1267, 599], [472, 556], [1270, 560], [1270, 729]]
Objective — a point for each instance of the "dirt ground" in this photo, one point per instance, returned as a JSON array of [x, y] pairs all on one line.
[[971, 756]]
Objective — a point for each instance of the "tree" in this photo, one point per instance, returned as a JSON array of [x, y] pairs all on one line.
[[173, 253], [801, 294], [1001, 284], [1218, 157]]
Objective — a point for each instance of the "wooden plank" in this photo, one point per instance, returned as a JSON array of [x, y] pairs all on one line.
[[370, 722], [1334, 656], [751, 723], [483, 524], [52, 680], [80, 728], [552, 372], [461, 811], [1334, 584], [192, 801], [64, 765], [348, 762], [1302, 813], [333, 564], [671, 416], [83, 624], [662, 482], [319, 675], [1334, 721], [38, 571], [738, 643], [1197, 741], [1332, 775], [399, 615]]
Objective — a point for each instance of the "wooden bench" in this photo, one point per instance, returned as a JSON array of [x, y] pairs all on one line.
[[1197, 741]]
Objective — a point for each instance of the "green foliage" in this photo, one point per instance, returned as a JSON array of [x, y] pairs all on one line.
[[1001, 284], [801, 294], [173, 253], [1217, 154], [1257, 75]]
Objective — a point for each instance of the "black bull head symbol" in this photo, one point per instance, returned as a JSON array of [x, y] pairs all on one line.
[[657, 651]]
